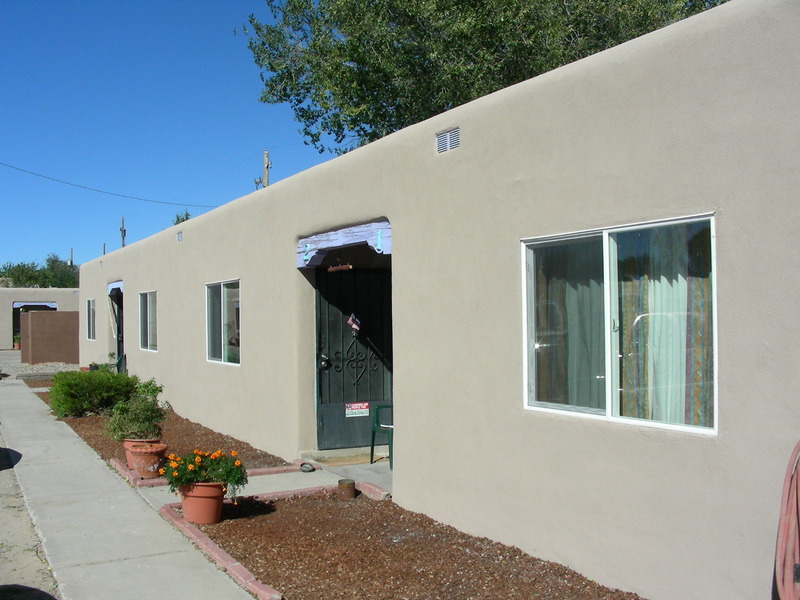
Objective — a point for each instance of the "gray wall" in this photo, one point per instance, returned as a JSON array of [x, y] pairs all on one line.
[[697, 118]]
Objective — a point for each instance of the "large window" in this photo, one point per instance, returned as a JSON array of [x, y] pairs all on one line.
[[148, 321], [222, 321], [90, 328], [620, 323]]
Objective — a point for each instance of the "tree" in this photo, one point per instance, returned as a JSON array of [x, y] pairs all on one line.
[[181, 217], [55, 273], [356, 71], [59, 273], [24, 274]]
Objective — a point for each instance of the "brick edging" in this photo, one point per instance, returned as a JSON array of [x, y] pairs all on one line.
[[234, 568]]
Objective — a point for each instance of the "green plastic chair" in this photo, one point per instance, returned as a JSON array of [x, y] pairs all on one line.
[[381, 425]]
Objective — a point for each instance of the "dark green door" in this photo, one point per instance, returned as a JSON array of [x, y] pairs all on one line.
[[354, 354], [119, 325]]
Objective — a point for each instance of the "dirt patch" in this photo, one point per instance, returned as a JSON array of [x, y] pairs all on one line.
[[310, 548], [181, 436], [322, 547]]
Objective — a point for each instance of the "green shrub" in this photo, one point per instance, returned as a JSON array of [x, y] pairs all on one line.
[[78, 393], [139, 417]]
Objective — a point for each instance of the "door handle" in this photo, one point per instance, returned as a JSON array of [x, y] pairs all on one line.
[[323, 363]]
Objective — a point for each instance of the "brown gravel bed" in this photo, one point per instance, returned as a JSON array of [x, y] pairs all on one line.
[[323, 548], [181, 436]]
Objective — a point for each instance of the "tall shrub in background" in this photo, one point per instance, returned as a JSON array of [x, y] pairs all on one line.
[[78, 393]]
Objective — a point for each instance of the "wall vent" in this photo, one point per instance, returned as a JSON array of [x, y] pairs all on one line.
[[448, 140]]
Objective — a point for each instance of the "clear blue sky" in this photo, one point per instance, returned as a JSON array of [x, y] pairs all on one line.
[[157, 100]]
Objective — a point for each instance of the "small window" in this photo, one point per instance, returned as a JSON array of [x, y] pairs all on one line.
[[90, 320], [621, 323], [448, 140], [148, 321], [223, 321]]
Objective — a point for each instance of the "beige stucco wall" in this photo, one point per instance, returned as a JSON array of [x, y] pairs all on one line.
[[65, 298], [698, 118]]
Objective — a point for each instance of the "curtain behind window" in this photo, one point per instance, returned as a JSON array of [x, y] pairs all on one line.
[[569, 340], [665, 320]]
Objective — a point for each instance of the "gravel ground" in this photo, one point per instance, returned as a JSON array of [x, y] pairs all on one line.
[[321, 547], [11, 367]]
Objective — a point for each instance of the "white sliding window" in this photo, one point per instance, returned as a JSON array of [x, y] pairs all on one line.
[[620, 323], [148, 321], [90, 320], [222, 322]]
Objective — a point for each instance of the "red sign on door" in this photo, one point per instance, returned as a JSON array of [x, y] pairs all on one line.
[[356, 409]]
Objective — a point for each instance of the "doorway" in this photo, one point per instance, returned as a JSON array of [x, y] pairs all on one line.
[[117, 305], [354, 353], [20, 307]]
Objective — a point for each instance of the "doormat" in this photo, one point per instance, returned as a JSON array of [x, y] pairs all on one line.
[[343, 461]]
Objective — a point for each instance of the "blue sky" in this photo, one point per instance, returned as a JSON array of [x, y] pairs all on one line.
[[156, 100]]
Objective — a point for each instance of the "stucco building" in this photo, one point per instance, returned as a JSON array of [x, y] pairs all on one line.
[[15, 301], [579, 293]]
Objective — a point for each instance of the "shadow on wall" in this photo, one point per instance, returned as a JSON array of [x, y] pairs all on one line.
[[8, 458]]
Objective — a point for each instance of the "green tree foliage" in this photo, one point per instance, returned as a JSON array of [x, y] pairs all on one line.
[[181, 217], [54, 273], [24, 274], [59, 273], [356, 70]]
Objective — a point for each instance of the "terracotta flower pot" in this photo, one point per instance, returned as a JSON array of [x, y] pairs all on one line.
[[127, 444], [148, 459], [202, 502]]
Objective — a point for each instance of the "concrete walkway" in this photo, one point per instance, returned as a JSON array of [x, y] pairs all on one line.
[[103, 538]]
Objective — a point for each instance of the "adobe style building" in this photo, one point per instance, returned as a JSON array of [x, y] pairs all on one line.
[[16, 301], [579, 294]]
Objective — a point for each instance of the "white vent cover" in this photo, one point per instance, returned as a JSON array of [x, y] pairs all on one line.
[[447, 140]]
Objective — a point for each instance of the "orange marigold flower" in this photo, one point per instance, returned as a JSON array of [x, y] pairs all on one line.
[[238, 463], [198, 460], [234, 453], [171, 456], [174, 473], [161, 471], [173, 464], [190, 467]]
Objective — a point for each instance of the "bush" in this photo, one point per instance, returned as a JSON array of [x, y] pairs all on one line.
[[139, 417], [78, 393]]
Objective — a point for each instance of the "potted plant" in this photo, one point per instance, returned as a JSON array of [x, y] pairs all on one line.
[[147, 458], [17, 341], [202, 480], [137, 422]]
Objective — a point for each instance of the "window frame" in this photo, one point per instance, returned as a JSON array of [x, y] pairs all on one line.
[[224, 348], [91, 319], [612, 410], [148, 332]]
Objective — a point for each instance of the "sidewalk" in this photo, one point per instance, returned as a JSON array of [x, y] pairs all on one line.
[[102, 538]]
